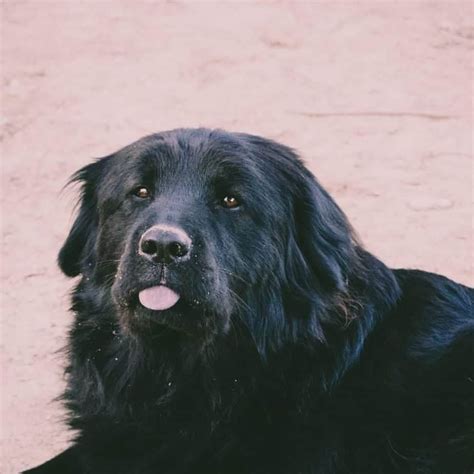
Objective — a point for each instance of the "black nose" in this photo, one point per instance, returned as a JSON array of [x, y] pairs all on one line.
[[165, 244]]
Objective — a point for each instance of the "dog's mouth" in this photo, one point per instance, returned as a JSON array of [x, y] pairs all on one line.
[[153, 307], [158, 298], [149, 300]]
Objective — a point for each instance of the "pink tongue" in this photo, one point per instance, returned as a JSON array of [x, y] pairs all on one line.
[[158, 298]]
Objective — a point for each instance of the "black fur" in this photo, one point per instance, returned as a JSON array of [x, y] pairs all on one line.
[[292, 349]]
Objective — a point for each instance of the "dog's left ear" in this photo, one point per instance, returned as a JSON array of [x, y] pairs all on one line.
[[323, 234], [321, 240]]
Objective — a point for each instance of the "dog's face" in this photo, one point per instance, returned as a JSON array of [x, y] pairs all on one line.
[[178, 227]]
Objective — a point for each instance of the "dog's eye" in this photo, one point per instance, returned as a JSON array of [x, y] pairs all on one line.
[[142, 192], [230, 202]]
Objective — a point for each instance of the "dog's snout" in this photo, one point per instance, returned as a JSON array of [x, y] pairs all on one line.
[[165, 244]]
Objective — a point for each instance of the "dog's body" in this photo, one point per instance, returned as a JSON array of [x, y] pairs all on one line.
[[228, 322]]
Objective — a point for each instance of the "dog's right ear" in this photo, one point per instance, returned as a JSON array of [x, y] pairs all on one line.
[[78, 252]]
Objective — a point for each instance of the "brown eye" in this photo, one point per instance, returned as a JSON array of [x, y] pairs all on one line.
[[230, 202], [142, 192]]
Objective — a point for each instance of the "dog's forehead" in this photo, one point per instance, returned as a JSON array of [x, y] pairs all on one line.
[[198, 154]]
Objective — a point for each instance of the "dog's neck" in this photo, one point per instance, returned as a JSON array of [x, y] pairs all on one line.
[[121, 374]]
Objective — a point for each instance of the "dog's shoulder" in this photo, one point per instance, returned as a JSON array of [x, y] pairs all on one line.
[[431, 304], [431, 328], [417, 372]]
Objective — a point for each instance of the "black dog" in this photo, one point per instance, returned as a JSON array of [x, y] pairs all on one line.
[[228, 321]]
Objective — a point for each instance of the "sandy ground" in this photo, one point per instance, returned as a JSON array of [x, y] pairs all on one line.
[[376, 96]]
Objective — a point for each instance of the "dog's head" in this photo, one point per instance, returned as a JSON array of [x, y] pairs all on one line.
[[189, 229]]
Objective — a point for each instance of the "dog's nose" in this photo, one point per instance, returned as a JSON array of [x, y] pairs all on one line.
[[165, 244]]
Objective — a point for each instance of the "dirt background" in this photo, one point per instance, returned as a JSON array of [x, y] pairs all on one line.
[[376, 96]]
